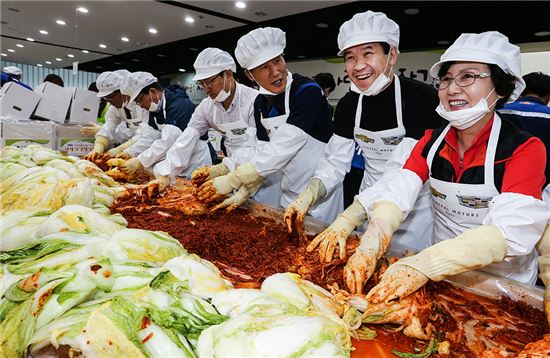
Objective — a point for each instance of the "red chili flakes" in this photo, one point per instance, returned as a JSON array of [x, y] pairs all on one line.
[[149, 336], [145, 322], [107, 274], [95, 268]]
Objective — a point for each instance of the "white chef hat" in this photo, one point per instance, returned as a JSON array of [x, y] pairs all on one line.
[[212, 61], [368, 27], [12, 70], [489, 47], [135, 82], [259, 46], [108, 82]]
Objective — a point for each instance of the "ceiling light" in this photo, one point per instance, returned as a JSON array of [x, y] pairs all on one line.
[[102, 45], [43, 32], [321, 25], [19, 45], [411, 11], [30, 39], [4, 54], [49, 62], [39, 64], [260, 14], [240, 4], [542, 33], [160, 55], [60, 22], [58, 59], [443, 42], [189, 19], [194, 49], [85, 51], [125, 39], [301, 56], [70, 55], [82, 10], [11, 50], [181, 69], [152, 30]]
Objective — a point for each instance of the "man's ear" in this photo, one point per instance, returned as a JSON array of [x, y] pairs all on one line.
[[393, 56], [249, 75]]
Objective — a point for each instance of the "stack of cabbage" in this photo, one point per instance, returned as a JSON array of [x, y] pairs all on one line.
[[37, 177], [75, 280]]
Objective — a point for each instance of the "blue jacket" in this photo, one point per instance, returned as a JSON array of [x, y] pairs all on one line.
[[7, 78], [178, 107], [533, 116]]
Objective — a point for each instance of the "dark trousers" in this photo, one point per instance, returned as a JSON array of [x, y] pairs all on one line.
[[352, 183]]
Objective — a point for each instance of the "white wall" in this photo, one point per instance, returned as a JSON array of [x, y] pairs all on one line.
[[185, 81]]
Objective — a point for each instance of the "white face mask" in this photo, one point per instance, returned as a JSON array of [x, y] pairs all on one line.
[[153, 107], [379, 84], [223, 95], [465, 118]]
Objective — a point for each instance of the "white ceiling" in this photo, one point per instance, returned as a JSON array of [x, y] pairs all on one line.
[[107, 21]]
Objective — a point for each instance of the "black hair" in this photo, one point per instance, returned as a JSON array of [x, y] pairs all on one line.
[[504, 83], [537, 83], [155, 85], [53, 78], [93, 87], [385, 47], [325, 80]]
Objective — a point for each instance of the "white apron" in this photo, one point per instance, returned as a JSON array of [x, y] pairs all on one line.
[[295, 176], [127, 128], [459, 207], [233, 132], [376, 148]]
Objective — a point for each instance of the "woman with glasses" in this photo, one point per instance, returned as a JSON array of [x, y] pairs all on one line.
[[228, 109], [485, 177]]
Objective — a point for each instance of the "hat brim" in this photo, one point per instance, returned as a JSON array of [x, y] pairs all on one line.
[[365, 39], [104, 93], [265, 57], [202, 75]]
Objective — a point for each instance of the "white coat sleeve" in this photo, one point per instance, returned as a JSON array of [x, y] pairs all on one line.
[[521, 218], [112, 120], [200, 119], [158, 149], [245, 152], [179, 155], [400, 155], [145, 136], [335, 163], [401, 187], [276, 153]]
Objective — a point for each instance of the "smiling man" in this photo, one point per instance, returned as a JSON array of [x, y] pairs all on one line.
[[293, 125], [378, 112]]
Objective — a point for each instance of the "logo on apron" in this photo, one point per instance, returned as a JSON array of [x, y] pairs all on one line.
[[238, 131], [364, 138], [474, 202], [437, 193], [395, 140]]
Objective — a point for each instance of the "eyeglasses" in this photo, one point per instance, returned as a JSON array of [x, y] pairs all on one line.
[[139, 98], [207, 83], [462, 80]]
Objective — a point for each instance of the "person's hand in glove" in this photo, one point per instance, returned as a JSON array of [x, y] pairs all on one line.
[[114, 152], [239, 197], [202, 174], [338, 232], [155, 187], [297, 210], [123, 155], [126, 166], [397, 282], [472, 249], [384, 220], [100, 144], [223, 185], [543, 248], [90, 129]]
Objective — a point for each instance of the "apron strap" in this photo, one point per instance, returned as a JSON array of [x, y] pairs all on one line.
[[491, 151], [435, 146]]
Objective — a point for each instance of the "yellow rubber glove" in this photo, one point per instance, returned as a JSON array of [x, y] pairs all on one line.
[[543, 248], [114, 152], [385, 219], [223, 185], [90, 129], [100, 144], [124, 155], [297, 210], [155, 187], [202, 174], [126, 166], [239, 197], [470, 250], [338, 232]]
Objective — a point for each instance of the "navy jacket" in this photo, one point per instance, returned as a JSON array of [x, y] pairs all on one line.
[[178, 107], [7, 78]]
